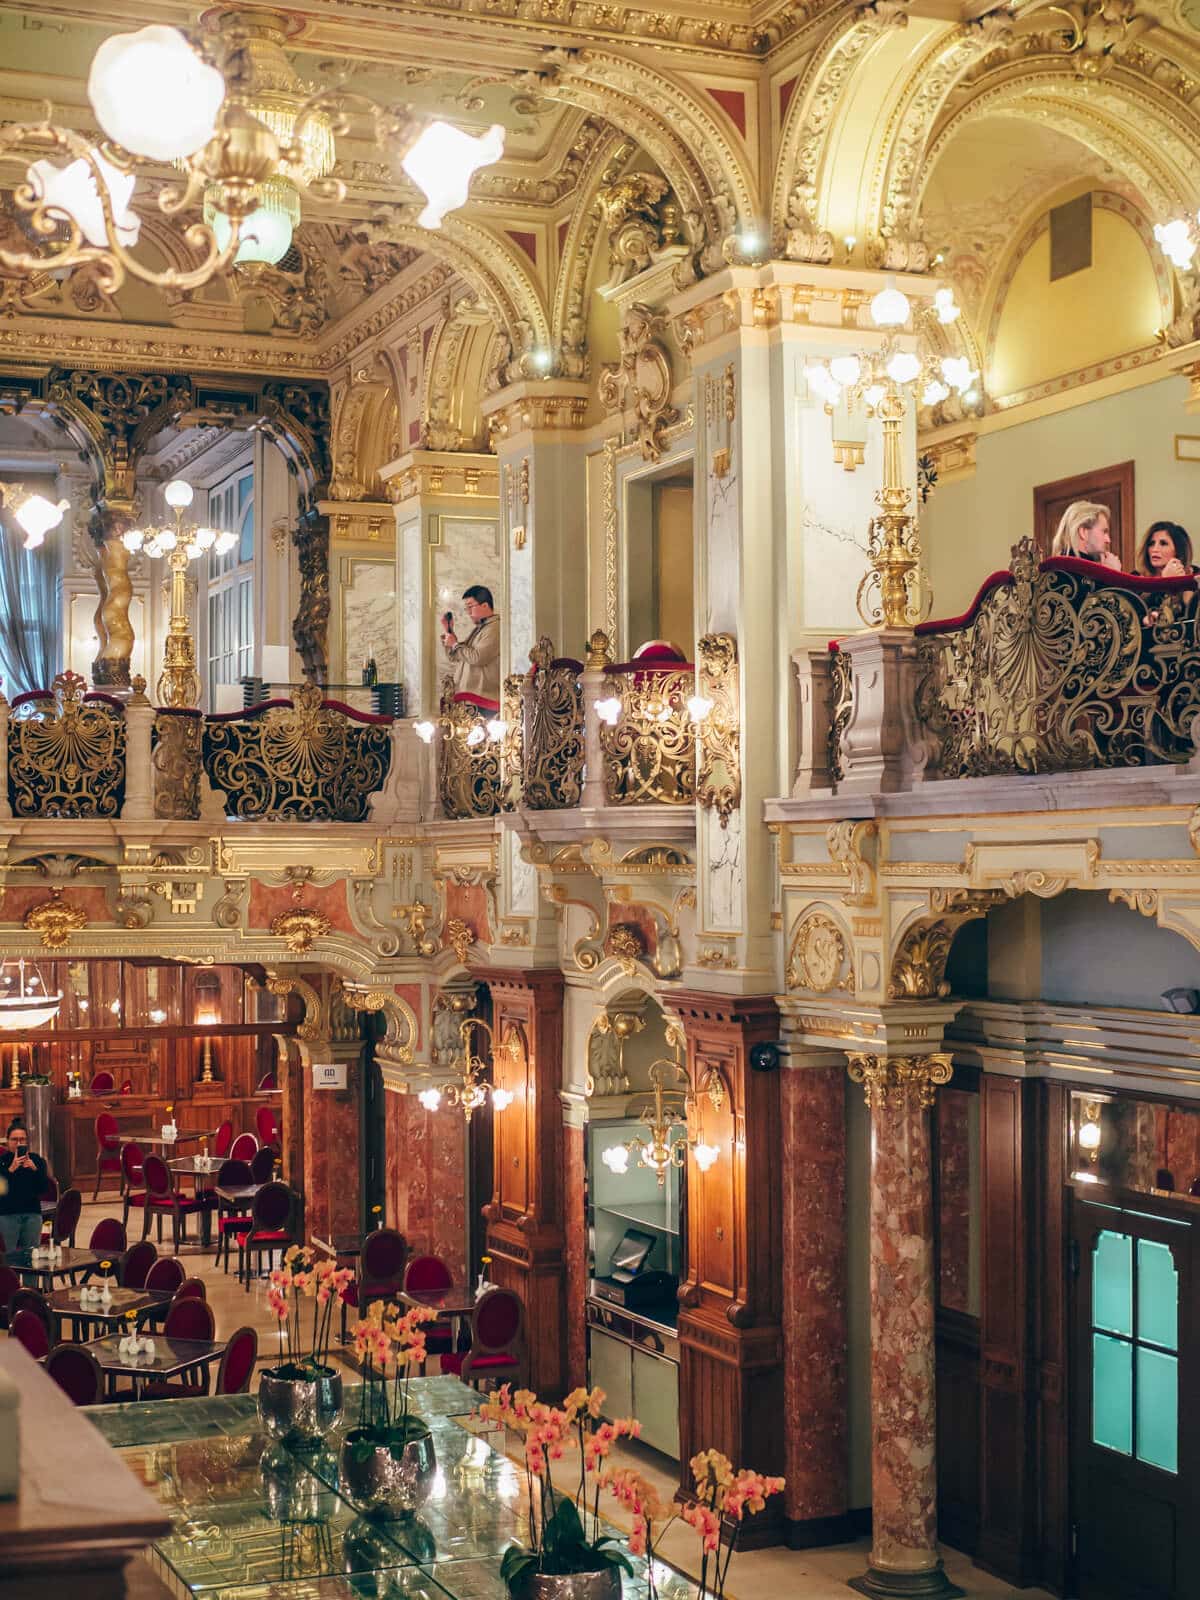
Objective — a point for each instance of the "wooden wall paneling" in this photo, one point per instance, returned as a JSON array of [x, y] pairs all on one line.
[[1050, 1343], [730, 1322], [958, 1430], [525, 1214], [1007, 1476]]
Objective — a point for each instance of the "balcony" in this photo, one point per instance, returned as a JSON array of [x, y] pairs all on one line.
[[572, 734], [1057, 667], [79, 755]]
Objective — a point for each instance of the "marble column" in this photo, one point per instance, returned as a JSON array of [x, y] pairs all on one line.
[[814, 1297], [332, 1186], [425, 1167], [904, 1551]]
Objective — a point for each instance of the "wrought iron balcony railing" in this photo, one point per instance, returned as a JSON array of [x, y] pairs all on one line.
[[1057, 666]]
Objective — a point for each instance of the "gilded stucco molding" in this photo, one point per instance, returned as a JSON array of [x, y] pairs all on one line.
[[851, 844], [911, 1079], [819, 958], [398, 1044], [315, 1023]]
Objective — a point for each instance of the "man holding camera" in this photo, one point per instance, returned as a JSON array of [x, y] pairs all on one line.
[[477, 657], [23, 1181]]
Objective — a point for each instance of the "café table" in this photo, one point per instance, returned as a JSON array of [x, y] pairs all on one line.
[[171, 1358], [183, 1136], [455, 1305], [66, 1306], [203, 1180], [73, 1262], [233, 1199]]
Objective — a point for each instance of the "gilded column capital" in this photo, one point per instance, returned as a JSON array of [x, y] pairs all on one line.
[[914, 1079]]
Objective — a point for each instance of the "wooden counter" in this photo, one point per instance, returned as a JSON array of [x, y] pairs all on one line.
[[81, 1513]]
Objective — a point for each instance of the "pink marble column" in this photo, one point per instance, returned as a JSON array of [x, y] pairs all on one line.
[[904, 1552], [814, 1298], [332, 1197], [425, 1179]]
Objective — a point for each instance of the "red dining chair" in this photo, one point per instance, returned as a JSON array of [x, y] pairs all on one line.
[[10, 1284], [232, 1217], [237, 1363], [102, 1083], [133, 1184], [429, 1275], [380, 1270], [108, 1148], [108, 1237], [191, 1289], [166, 1276], [497, 1351], [189, 1318], [222, 1139], [243, 1147], [269, 1080], [268, 1128], [163, 1198], [262, 1165], [76, 1372], [271, 1227], [66, 1217], [139, 1258], [28, 1329]]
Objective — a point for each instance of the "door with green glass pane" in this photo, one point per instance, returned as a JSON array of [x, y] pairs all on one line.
[[1133, 1458]]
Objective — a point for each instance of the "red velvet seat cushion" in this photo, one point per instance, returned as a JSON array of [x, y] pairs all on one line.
[[454, 1362], [275, 1236], [234, 1224], [137, 1199], [166, 1202]]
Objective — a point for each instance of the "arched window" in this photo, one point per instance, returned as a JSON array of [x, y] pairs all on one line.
[[231, 583]]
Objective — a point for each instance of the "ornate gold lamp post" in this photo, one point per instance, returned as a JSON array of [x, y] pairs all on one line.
[[880, 381], [179, 684]]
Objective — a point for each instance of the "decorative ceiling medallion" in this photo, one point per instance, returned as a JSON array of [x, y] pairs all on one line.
[[56, 920]]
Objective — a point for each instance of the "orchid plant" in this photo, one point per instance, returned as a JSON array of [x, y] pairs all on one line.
[[566, 1534], [303, 1277], [722, 1499], [389, 1346]]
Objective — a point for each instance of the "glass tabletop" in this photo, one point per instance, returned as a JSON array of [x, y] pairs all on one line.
[[171, 1356], [73, 1260], [252, 1520]]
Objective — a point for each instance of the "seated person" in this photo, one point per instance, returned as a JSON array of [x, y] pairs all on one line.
[[1166, 552], [1084, 532]]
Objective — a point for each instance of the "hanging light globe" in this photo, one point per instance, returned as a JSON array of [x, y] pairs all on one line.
[[24, 1002], [266, 235], [890, 308], [153, 95]]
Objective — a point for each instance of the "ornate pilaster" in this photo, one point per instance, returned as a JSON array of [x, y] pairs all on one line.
[[904, 1556], [731, 1373], [525, 1216]]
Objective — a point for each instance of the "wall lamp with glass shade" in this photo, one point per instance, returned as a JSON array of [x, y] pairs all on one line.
[[673, 1123], [33, 513], [249, 139], [469, 1088]]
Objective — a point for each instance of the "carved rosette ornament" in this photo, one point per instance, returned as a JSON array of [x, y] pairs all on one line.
[[912, 1078], [640, 382], [818, 957], [718, 738], [626, 946], [55, 919]]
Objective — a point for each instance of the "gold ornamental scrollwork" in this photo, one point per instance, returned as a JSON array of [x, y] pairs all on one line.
[[301, 925], [914, 1079], [1059, 670], [841, 689], [471, 776], [641, 381], [649, 755], [66, 754], [307, 762], [919, 965], [626, 946], [553, 777], [417, 916], [718, 739], [460, 936], [55, 919], [313, 1026], [396, 1046], [177, 759], [818, 957]]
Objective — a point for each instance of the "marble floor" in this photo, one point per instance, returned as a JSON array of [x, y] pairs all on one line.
[[755, 1575]]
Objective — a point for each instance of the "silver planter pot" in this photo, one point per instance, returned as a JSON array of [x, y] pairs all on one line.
[[602, 1585], [297, 1489], [300, 1411], [382, 1484]]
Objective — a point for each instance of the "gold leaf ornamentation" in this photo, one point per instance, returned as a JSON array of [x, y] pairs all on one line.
[[719, 784], [818, 957], [56, 920], [912, 1078], [461, 936], [66, 754]]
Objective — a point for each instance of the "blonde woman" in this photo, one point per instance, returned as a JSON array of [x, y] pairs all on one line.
[[1084, 532]]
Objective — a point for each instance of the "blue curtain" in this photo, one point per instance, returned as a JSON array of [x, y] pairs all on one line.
[[29, 616]]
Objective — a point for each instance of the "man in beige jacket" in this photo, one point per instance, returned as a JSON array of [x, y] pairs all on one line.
[[477, 657]]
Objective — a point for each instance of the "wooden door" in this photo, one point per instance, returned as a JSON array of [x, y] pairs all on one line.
[[1111, 487], [1133, 1436]]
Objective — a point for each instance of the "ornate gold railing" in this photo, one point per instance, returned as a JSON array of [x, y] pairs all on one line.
[[307, 760], [177, 757], [552, 777], [1060, 666], [471, 762], [650, 751], [66, 752]]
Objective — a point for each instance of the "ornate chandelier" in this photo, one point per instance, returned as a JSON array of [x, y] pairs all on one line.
[[228, 110], [24, 1000], [673, 1122], [472, 1088]]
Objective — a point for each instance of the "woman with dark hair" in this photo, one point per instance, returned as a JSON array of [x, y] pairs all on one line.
[[1165, 552]]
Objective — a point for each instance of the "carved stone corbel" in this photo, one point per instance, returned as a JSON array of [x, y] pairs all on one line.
[[641, 381]]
